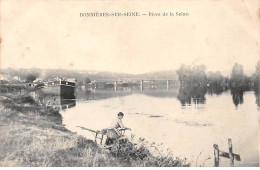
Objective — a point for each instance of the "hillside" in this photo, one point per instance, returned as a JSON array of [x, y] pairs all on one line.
[[80, 75]]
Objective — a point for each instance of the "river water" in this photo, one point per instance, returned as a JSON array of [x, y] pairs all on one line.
[[181, 121]]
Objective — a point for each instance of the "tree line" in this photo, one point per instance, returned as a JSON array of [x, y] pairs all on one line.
[[197, 76]]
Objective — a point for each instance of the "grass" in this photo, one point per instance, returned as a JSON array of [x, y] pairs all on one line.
[[132, 155], [33, 135]]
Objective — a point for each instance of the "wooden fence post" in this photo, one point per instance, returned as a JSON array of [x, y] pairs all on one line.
[[231, 157], [216, 155], [141, 85], [115, 85], [101, 141], [96, 137]]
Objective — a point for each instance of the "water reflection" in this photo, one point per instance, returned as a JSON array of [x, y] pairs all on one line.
[[256, 90], [257, 99], [186, 94], [98, 94], [57, 102], [237, 95], [161, 93], [189, 94], [106, 93]]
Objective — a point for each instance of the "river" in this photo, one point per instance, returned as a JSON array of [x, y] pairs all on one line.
[[187, 123]]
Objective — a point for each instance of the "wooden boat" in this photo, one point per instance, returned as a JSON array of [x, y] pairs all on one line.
[[63, 88]]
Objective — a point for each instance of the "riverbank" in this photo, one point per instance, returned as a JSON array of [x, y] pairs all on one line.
[[33, 135]]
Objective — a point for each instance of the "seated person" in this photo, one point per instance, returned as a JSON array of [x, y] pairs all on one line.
[[114, 132]]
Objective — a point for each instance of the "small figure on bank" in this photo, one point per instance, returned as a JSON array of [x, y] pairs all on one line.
[[115, 131]]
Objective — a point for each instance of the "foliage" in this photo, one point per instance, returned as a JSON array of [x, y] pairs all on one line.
[[25, 99], [237, 71], [192, 74], [237, 76], [11, 88], [216, 79], [126, 151], [132, 155], [256, 77], [30, 78], [87, 80]]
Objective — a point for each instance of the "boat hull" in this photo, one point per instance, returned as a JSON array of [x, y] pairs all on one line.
[[63, 88]]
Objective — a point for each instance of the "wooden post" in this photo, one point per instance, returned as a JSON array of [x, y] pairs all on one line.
[[96, 137], [101, 139], [141, 85], [216, 155], [231, 157], [115, 85], [168, 84]]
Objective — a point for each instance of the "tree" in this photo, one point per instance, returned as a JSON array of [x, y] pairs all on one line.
[[30, 78], [237, 76], [257, 71], [215, 78], [256, 76], [184, 73], [87, 80], [237, 71], [192, 74]]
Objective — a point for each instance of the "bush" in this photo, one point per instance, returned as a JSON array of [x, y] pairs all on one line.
[[25, 100], [126, 151], [130, 155], [84, 143]]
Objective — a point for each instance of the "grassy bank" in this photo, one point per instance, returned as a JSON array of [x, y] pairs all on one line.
[[33, 135]]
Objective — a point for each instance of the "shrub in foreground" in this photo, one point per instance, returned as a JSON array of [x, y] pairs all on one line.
[[131, 155]]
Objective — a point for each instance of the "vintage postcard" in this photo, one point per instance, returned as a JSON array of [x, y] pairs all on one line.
[[129, 83]]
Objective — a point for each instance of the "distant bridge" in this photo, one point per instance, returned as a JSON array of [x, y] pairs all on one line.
[[118, 82], [133, 79]]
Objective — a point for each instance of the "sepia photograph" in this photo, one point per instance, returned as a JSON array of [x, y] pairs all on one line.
[[133, 83]]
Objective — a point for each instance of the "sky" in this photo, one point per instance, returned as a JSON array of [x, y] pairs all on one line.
[[51, 34]]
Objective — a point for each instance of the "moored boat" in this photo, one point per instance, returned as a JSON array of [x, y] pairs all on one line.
[[64, 88]]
